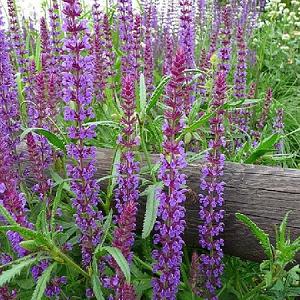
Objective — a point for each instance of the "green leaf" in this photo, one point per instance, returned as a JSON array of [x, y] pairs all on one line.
[[114, 170], [262, 237], [4, 212], [105, 228], [55, 206], [42, 283], [282, 229], [37, 52], [151, 209], [264, 147], [157, 93], [103, 123], [51, 137], [96, 285], [41, 222], [15, 270], [141, 104], [29, 245], [26, 233], [120, 260], [194, 126]]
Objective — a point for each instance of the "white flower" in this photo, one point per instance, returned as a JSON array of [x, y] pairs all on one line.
[[285, 37]]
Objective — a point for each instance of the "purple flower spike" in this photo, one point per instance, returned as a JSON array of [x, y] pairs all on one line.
[[40, 156], [99, 83], [124, 240], [108, 50], [10, 197], [225, 51], [211, 214], [77, 81], [169, 49], [240, 75], [127, 189], [45, 43], [137, 32], [278, 127], [170, 225], [266, 109], [126, 35], [148, 53], [16, 38]]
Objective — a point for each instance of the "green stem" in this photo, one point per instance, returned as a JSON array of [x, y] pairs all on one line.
[[147, 156], [254, 291], [68, 261]]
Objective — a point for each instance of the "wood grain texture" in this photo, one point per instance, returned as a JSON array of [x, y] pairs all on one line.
[[263, 193]]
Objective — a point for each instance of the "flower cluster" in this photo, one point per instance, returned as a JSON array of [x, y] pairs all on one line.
[[278, 127], [16, 38], [126, 25], [40, 155], [128, 168], [148, 53], [53, 288], [108, 48], [170, 225], [45, 43], [169, 49], [211, 214], [225, 51], [137, 38], [266, 109], [186, 33], [99, 83], [123, 240], [10, 197], [240, 76], [77, 81]]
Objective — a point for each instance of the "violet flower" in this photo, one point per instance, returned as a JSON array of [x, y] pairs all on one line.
[[202, 12], [137, 32], [187, 43], [128, 169], [56, 43], [108, 50], [186, 32], [127, 193], [10, 197], [40, 156], [77, 82], [99, 82], [45, 43], [123, 239], [9, 104], [5, 292], [278, 127], [204, 67], [170, 225], [211, 214], [225, 51], [168, 49], [53, 288], [17, 39], [148, 54], [126, 37], [240, 76], [239, 117], [266, 109]]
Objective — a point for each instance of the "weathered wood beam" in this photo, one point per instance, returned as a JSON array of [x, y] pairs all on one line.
[[263, 193]]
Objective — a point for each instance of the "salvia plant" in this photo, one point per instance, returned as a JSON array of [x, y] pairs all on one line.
[[151, 87]]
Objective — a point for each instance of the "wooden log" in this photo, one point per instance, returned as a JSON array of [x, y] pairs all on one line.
[[263, 193]]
